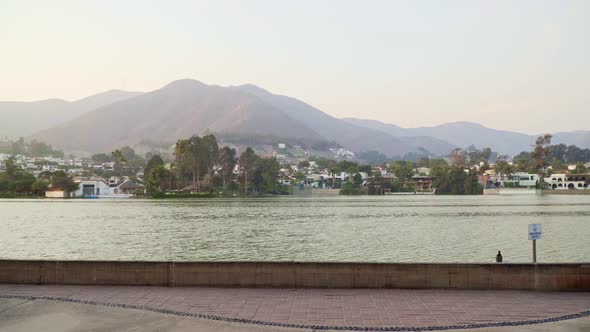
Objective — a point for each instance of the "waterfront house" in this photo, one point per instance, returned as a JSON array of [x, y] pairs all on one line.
[[522, 179], [284, 181], [568, 181], [423, 183], [92, 188], [55, 194], [127, 188], [99, 188]]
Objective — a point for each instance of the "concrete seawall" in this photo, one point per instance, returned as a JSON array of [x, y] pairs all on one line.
[[568, 276]]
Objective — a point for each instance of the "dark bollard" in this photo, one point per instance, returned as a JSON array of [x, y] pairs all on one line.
[[499, 257]]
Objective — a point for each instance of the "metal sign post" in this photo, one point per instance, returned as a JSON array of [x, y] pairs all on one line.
[[535, 232]]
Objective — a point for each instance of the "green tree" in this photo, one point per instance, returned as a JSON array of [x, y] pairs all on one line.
[[472, 186], [19, 147], [39, 187], [14, 180], [349, 189], [581, 168], [101, 158], [299, 176], [152, 163], [127, 153], [540, 153], [303, 164], [11, 167], [227, 163], [502, 167], [523, 162], [158, 179], [119, 159], [247, 160], [574, 154], [376, 185], [457, 158], [196, 159], [357, 180], [366, 169], [210, 152], [60, 180], [153, 181], [45, 175], [402, 169], [182, 161], [265, 173]]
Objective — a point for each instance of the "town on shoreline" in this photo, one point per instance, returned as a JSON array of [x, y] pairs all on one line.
[[199, 167]]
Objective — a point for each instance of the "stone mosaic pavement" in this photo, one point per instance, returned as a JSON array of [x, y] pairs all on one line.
[[322, 309]]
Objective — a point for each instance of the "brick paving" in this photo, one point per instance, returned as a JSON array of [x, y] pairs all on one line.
[[361, 308]]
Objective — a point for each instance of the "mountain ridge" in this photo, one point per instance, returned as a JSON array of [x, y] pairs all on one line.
[[21, 119], [464, 133], [185, 107]]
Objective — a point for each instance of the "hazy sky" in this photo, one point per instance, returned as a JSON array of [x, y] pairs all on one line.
[[517, 65]]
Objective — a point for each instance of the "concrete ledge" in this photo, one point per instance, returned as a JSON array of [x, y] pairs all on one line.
[[547, 277]]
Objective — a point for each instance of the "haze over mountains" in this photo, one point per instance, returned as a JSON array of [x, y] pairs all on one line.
[[182, 108], [26, 118]]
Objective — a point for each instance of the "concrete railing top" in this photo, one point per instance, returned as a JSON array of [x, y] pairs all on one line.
[[543, 276]]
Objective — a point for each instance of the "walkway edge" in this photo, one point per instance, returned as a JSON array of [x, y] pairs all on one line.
[[301, 326]]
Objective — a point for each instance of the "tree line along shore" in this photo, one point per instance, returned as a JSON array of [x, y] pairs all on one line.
[[200, 167]]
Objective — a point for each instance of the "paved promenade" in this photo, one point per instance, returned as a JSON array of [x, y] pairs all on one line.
[[312, 309]]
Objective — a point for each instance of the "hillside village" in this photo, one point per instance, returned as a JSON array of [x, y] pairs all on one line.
[[122, 174]]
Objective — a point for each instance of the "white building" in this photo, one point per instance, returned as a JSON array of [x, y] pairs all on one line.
[[100, 189], [343, 176], [55, 194], [285, 181], [422, 171], [522, 179], [568, 181], [50, 168], [89, 188]]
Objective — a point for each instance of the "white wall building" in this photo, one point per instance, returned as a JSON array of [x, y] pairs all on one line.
[[92, 188], [524, 179], [568, 181], [99, 189], [50, 168]]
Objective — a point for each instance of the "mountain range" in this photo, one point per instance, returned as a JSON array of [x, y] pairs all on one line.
[[26, 118], [185, 107]]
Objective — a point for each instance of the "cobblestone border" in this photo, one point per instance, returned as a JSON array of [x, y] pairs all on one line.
[[581, 314]]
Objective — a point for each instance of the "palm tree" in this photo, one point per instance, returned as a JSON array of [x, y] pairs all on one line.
[[119, 159], [180, 152]]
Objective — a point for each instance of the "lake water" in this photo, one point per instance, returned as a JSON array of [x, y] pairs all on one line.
[[360, 228]]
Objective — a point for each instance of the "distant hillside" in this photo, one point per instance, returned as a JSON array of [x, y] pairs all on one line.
[[431, 144], [244, 114], [25, 118], [351, 136], [180, 109], [580, 138], [187, 107], [465, 134]]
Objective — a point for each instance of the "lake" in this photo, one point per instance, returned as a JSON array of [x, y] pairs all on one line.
[[340, 228]]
